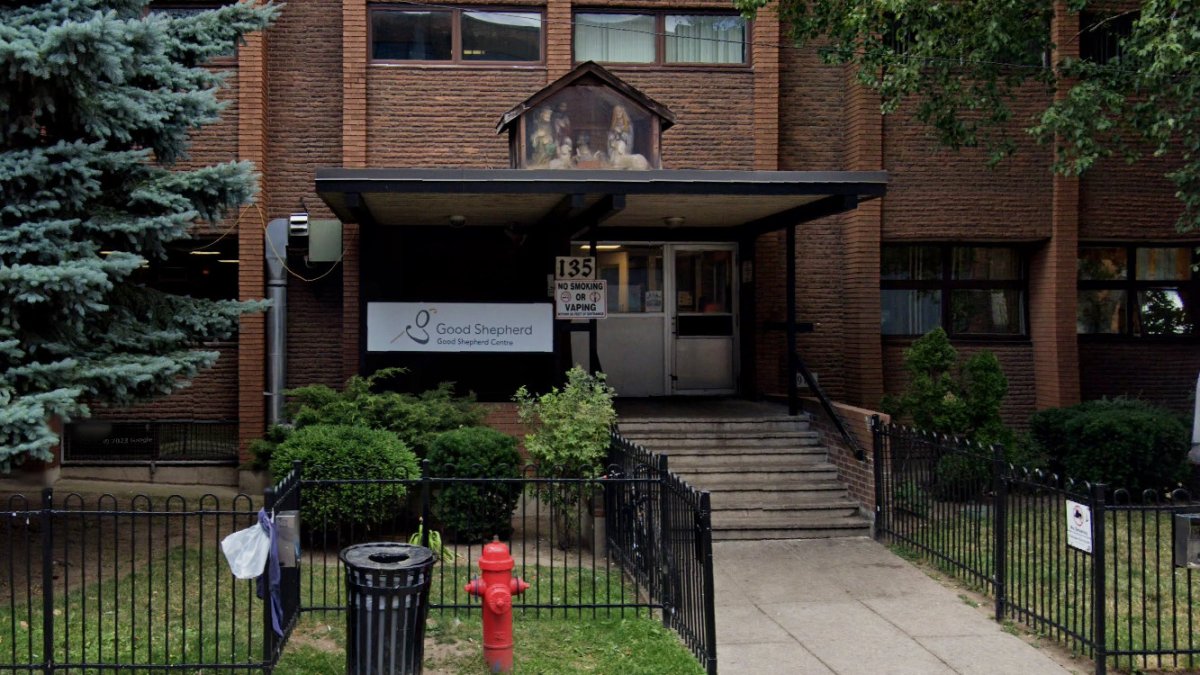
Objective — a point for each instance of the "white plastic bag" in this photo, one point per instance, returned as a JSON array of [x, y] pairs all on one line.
[[246, 551]]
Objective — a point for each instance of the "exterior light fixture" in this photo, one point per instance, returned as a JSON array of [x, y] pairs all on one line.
[[600, 247], [673, 221], [204, 252], [231, 262], [458, 221]]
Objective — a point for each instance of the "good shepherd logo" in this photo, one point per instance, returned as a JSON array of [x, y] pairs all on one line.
[[416, 330]]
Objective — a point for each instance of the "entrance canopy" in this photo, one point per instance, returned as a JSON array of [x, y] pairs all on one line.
[[658, 204]]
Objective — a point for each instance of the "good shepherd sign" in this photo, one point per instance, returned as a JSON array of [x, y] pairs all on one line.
[[459, 327]]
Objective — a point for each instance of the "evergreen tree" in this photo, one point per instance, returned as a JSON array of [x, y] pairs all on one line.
[[97, 98]]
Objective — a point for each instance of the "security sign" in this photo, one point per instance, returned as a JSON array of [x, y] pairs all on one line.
[[581, 299]]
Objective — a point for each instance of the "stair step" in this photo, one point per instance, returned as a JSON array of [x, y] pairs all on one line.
[[627, 429], [789, 499], [800, 511], [665, 444], [741, 463], [794, 533], [714, 422], [694, 432], [717, 482], [785, 520], [713, 449]]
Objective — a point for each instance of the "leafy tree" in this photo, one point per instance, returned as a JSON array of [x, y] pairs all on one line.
[[961, 65], [97, 98]]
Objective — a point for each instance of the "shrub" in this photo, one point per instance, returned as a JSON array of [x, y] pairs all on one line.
[[472, 512], [570, 427], [262, 449], [1123, 442], [415, 419], [948, 397], [569, 437], [330, 452]]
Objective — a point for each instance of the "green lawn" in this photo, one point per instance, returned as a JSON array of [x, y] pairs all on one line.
[[1150, 604], [453, 645], [160, 614]]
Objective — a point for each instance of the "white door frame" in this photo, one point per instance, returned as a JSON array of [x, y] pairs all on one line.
[[670, 306]]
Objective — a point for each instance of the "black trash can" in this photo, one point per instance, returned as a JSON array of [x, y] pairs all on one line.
[[387, 598]]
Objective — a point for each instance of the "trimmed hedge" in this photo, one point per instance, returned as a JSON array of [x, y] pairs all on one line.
[[1125, 443], [469, 512], [329, 452]]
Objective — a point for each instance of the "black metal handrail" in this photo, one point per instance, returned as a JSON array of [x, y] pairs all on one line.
[[826, 405]]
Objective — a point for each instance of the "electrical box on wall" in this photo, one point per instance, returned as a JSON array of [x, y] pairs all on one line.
[[324, 241], [1187, 540]]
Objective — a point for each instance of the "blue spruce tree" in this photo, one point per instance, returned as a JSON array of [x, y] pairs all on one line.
[[97, 99]]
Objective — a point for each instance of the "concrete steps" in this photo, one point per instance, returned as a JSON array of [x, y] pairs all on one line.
[[769, 477]]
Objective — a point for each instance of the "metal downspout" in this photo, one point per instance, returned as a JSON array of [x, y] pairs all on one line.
[[276, 252]]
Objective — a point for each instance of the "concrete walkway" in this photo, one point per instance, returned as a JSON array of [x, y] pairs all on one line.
[[850, 606]]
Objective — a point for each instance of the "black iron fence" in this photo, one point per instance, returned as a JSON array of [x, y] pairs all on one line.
[[633, 541], [139, 584], [1090, 566], [108, 584]]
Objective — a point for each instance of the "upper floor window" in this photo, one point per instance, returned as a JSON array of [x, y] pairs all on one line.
[[456, 35], [1102, 36], [660, 38], [970, 291], [1138, 290]]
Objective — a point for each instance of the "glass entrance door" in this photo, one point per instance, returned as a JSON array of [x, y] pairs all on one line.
[[703, 319]]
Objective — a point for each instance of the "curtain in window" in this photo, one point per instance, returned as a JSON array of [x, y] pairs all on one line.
[[706, 39], [615, 38]]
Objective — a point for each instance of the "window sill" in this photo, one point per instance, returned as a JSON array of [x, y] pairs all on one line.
[[963, 339], [426, 65]]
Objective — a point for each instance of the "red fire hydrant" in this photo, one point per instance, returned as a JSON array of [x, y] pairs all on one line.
[[497, 588]]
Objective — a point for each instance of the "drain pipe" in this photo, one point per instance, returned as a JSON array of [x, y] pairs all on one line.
[[275, 251]]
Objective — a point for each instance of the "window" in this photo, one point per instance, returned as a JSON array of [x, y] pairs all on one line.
[[1101, 37], [196, 267], [1144, 291], [968, 290], [456, 36], [685, 38], [634, 275]]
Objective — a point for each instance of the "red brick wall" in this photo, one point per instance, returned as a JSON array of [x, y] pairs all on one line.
[[857, 474], [1129, 203], [711, 131], [442, 117], [1161, 373], [1015, 359], [940, 194], [812, 112]]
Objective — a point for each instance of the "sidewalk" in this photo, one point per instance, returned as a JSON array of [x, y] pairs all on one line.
[[850, 606]]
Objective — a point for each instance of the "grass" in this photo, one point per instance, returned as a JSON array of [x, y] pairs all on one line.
[[159, 613], [633, 645], [1150, 606]]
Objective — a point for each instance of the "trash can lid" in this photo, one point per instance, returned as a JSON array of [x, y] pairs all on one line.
[[386, 556]]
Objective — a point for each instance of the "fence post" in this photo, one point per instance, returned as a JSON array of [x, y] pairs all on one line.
[[1099, 591], [47, 519], [269, 496], [664, 542], [710, 605], [877, 460], [426, 514], [999, 528]]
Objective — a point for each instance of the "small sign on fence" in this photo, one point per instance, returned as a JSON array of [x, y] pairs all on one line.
[[1079, 526]]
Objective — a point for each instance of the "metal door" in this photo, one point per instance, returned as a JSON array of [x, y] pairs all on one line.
[[703, 316]]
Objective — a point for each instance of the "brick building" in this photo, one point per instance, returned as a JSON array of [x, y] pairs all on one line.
[[385, 116]]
